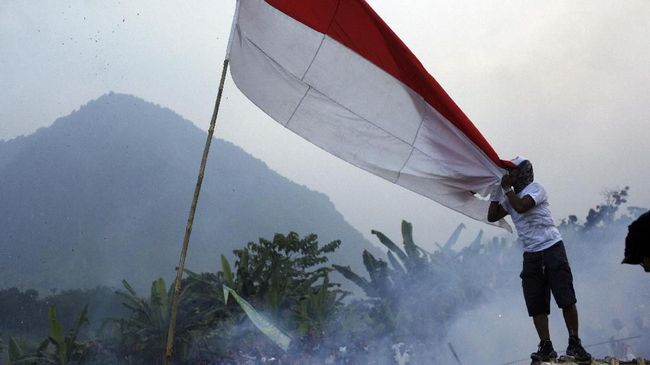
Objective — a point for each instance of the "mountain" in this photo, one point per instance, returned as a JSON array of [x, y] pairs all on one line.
[[103, 195]]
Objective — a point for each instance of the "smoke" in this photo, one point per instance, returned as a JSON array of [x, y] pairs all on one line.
[[613, 303], [465, 306], [452, 306]]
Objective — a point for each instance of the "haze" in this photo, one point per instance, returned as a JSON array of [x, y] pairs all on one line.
[[565, 84]]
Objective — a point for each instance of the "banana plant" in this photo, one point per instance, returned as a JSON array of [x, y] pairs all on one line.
[[144, 332], [404, 264], [66, 347], [409, 277], [409, 259], [58, 348], [452, 239], [316, 307], [17, 354]]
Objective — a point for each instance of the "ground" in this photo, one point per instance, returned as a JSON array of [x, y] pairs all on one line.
[[606, 361]]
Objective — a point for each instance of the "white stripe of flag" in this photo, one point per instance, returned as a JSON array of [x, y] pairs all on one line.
[[335, 98]]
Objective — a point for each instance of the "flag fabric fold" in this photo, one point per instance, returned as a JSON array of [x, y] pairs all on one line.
[[334, 73]]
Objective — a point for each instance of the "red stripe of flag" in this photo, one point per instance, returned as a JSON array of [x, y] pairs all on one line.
[[355, 24]]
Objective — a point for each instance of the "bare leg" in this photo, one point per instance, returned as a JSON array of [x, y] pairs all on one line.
[[571, 320], [541, 325]]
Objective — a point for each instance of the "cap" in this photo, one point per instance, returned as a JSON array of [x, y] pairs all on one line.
[[518, 160]]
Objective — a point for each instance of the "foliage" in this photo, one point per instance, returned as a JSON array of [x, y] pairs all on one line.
[[411, 296], [22, 312], [605, 213], [262, 323], [411, 277], [204, 315], [607, 221], [16, 352], [280, 277], [58, 348], [142, 335], [600, 218], [64, 349], [144, 332], [285, 280], [262, 266]]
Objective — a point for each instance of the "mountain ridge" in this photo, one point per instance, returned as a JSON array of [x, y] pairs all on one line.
[[103, 194]]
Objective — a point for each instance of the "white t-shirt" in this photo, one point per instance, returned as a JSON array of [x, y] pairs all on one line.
[[535, 227]]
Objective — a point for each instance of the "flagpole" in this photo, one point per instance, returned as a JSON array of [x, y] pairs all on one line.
[[169, 348], [190, 221]]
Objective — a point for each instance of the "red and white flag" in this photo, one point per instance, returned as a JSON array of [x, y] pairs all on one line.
[[334, 73]]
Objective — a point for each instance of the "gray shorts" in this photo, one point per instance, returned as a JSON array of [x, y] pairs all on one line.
[[544, 272]]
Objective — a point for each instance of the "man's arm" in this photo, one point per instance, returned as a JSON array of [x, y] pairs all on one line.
[[496, 212], [520, 205]]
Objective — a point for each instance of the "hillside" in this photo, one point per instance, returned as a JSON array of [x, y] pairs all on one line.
[[103, 194]]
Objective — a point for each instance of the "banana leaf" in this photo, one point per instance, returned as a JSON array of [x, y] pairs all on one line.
[[390, 244], [273, 333], [361, 282], [453, 238], [227, 272], [56, 335]]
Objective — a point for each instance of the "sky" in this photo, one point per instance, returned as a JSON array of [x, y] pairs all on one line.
[[564, 83]]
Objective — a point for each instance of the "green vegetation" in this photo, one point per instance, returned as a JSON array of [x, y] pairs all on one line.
[[413, 276], [412, 297], [58, 348]]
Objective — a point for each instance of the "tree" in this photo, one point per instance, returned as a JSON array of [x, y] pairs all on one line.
[[286, 279], [604, 214]]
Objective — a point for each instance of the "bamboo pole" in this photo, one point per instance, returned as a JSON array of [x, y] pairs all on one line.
[[190, 220]]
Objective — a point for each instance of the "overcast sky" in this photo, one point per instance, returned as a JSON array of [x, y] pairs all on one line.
[[564, 83]]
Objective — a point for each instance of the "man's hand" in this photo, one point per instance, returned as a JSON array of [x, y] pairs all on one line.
[[507, 181], [496, 212], [520, 205]]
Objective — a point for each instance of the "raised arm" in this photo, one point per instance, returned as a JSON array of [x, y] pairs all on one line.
[[520, 205], [496, 212]]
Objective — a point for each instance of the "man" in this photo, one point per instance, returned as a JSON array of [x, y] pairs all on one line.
[[637, 242], [546, 267]]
